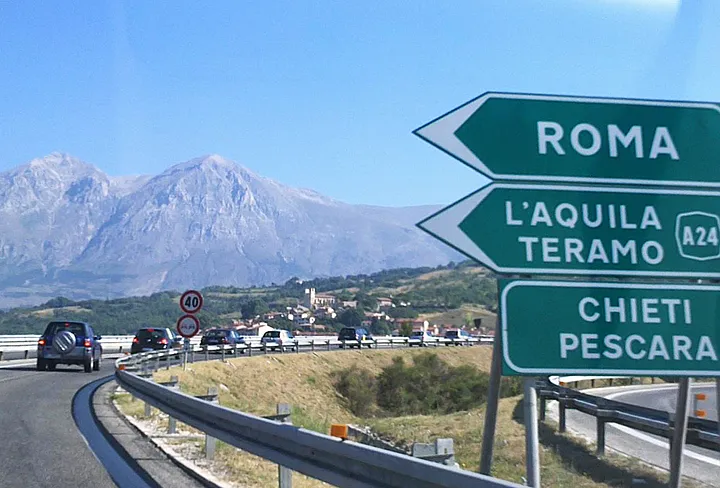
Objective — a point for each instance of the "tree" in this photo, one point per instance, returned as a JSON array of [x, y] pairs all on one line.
[[254, 307], [351, 317], [406, 329], [365, 301], [380, 327]]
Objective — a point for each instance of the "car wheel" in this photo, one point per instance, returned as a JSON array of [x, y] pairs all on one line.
[[41, 365], [51, 365], [97, 363], [88, 366]]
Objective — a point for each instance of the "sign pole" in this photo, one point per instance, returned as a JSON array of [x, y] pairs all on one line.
[[717, 401], [486, 453], [679, 433], [532, 446]]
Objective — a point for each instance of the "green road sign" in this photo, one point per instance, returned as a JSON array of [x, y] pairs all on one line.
[[577, 139], [556, 327], [574, 230]]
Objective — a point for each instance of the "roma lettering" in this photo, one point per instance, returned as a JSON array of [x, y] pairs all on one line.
[[587, 140]]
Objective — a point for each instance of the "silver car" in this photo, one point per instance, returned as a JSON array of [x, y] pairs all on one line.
[[274, 339]]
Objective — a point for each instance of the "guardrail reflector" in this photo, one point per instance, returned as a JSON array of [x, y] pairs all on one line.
[[339, 430], [700, 396], [700, 413], [121, 367]]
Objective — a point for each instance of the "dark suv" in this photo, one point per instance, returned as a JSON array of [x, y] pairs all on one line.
[[65, 342], [154, 339], [219, 337], [354, 334]]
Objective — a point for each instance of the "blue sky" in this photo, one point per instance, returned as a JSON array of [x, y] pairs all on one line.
[[322, 94]]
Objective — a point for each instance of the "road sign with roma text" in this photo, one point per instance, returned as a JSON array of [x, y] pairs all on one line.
[[583, 140], [583, 230], [566, 327]]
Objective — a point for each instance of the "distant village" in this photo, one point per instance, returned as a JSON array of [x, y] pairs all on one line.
[[307, 316]]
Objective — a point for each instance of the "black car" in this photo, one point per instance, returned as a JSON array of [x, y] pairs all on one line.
[[68, 342], [220, 337], [354, 334], [155, 339]]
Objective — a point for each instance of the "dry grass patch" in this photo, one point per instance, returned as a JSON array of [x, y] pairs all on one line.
[[457, 317], [48, 312]]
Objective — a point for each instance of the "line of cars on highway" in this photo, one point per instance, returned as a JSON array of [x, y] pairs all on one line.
[[76, 343]]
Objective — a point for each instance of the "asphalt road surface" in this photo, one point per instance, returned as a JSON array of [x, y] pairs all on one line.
[[701, 464], [41, 445]]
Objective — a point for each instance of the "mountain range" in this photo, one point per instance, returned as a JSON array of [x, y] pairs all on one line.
[[68, 229]]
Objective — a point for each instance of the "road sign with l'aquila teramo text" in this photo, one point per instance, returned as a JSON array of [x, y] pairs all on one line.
[[546, 229], [583, 140]]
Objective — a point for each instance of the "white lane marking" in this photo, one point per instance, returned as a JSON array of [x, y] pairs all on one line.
[[652, 440]]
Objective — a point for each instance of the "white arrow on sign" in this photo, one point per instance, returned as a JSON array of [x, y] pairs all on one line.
[[441, 133], [445, 226]]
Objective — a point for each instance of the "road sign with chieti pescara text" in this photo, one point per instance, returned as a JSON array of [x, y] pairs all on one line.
[[566, 327]]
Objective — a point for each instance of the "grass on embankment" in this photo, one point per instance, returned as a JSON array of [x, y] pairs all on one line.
[[255, 385]]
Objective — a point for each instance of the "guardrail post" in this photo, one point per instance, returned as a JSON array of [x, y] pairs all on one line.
[[328, 344], [207, 354], [312, 345], [284, 474], [27, 353], [562, 427], [173, 384], [543, 407], [297, 347], [249, 349], [210, 442], [600, 450], [222, 353]]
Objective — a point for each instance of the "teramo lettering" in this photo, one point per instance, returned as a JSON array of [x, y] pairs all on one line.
[[637, 347], [573, 250]]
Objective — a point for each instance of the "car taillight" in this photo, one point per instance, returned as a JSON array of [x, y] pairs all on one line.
[[41, 342], [87, 343], [135, 340], [224, 340], [163, 341]]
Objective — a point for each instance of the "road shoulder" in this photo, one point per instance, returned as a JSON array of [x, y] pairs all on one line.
[[158, 464]]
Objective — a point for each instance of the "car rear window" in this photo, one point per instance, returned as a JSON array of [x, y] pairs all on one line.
[[452, 333], [218, 333], [144, 334], [76, 328], [272, 333]]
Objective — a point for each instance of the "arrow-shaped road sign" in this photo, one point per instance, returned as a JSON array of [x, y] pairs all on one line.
[[576, 230], [579, 139]]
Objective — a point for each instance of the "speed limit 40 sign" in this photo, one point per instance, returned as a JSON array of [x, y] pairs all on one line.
[[191, 301]]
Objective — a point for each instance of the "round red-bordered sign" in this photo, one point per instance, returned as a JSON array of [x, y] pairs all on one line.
[[188, 326], [191, 301]]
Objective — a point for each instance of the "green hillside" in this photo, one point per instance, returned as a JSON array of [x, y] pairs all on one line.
[[455, 292]]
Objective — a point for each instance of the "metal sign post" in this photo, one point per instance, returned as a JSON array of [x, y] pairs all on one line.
[[491, 409], [679, 433], [532, 441]]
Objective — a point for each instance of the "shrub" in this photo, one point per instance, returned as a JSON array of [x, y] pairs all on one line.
[[359, 389]]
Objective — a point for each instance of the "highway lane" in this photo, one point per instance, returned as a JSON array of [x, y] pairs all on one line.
[[665, 398], [41, 444], [701, 464]]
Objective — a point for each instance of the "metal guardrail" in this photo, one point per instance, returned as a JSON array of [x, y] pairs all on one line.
[[338, 462], [701, 432]]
